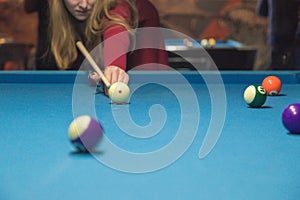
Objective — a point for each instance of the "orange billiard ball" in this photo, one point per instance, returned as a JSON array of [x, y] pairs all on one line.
[[212, 42], [272, 85]]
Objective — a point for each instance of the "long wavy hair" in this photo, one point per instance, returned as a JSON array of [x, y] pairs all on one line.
[[64, 34]]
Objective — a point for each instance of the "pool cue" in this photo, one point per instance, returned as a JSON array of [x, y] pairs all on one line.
[[92, 62]]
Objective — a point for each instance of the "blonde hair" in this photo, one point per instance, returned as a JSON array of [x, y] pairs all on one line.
[[64, 35]]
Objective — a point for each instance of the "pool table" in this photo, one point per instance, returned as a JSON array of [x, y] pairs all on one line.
[[183, 135], [226, 55]]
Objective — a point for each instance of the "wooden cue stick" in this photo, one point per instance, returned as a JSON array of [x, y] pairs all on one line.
[[92, 62]]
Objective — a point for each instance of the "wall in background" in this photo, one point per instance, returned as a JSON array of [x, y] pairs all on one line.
[[221, 19], [15, 23]]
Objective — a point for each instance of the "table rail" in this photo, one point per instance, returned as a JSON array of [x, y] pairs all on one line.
[[228, 77]]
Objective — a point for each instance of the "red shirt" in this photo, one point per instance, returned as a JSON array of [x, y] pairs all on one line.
[[149, 43]]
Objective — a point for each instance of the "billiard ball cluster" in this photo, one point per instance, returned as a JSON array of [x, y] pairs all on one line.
[[255, 96], [210, 42], [85, 132]]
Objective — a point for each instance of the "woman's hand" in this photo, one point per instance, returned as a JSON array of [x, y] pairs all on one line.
[[112, 74], [115, 74]]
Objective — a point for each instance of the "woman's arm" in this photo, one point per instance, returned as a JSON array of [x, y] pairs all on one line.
[[116, 46]]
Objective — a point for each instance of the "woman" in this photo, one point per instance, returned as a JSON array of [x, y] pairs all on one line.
[[95, 21]]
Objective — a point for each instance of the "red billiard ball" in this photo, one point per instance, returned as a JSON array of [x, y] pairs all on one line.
[[272, 85], [85, 133]]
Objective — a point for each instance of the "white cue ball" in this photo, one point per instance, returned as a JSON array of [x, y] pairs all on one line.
[[119, 92]]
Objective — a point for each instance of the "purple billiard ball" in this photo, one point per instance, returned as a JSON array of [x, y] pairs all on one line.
[[85, 133], [291, 118]]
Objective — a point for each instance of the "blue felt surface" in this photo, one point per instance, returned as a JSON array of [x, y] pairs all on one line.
[[254, 158]]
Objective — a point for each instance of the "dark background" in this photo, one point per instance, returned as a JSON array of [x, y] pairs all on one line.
[[221, 19]]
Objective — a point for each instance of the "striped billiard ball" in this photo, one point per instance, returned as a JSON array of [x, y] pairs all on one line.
[[85, 133], [255, 95]]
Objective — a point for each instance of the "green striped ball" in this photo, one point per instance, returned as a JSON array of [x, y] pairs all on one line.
[[255, 96]]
